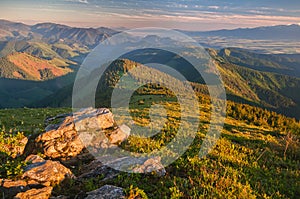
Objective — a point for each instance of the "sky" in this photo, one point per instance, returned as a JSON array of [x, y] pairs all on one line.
[[197, 15]]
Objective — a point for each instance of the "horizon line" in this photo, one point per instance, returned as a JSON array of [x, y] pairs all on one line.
[[124, 28]]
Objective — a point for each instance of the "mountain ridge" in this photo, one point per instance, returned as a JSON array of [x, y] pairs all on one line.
[[279, 32], [255, 78], [260, 32]]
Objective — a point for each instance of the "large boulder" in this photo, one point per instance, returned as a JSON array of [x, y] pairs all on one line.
[[62, 140], [106, 192], [119, 135], [45, 172], [43, 193], [86, 127], [109, 138]]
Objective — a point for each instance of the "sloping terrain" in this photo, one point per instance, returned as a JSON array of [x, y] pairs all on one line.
[[249, 153], [257, 155], [245, 85], [16, 93], [10, 29], [50, 50], [25, 66], [281, 64]]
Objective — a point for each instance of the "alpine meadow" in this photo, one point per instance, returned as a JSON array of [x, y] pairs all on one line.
[[149, 99]]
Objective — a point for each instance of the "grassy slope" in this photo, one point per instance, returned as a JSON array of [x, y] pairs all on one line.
[[19, 93], [271, 90], [242, 164], [268, 89], [283, 64], [32, 66]]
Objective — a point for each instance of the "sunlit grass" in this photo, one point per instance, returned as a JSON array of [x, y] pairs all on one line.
[[248, 160]]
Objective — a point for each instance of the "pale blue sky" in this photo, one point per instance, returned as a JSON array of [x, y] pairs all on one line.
[[180, 14]]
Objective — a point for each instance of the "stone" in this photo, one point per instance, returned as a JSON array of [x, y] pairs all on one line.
[[106, 192], [151, 166], [34, 159], [59, 197], [10, 183], [96, 168], [120, 134], [18, 150], [10, 188], [62, 140], [111, 165], [46, 172], [110, 138], [89, 118], [43, 193]]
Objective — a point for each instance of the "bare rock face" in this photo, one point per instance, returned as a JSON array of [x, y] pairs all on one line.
[[106, 139], [153, 166], [120, 134], [43, 193], [90, 118], [106, 192], [62, 140], [10, 188], [34, 159], [45, 172], [85, 128], [10, 183]]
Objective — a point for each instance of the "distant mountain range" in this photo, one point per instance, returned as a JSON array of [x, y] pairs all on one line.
[[44, 51], [38, 65], [53, 33], [279, 32]]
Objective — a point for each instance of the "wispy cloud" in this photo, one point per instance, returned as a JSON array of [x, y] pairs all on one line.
[[180, 14], [78, 1], [83, 1]]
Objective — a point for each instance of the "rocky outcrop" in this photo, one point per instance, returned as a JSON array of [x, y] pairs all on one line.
[[151, 166], [68, 140], [84, 128], [109, 138], [106, 192], [119, 135], [45, 172], [110, 166], [43, 193]]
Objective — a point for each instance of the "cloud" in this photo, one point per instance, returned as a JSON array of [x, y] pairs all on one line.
[[214, 7], [83, 1], [78, 1]]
